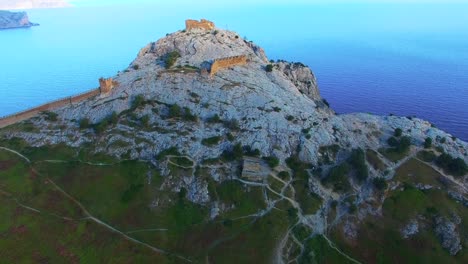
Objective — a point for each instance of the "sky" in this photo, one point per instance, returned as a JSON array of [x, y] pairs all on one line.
[[245, 2]]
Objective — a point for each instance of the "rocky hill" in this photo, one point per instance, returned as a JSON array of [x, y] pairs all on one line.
[[249, 164], [30, 4], [14, 20]]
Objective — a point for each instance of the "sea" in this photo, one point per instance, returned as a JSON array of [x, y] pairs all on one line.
[[402, 59]]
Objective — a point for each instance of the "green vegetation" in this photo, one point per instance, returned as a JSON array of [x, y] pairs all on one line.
[[398, 132], [380, 183], [398, 148], [175, 111], [172, 151], [269, 68], [50, 116], [232, 124], [100, 127], [138, 101], [236, 153], [84, 123], [214, 119], [454, 166], [170, 59], [413, 171], [427, 156], [317, 250], [211, 141], [374, 160], [428, 143], [338, 178], [358, 161], [308, 201], [272, 161]]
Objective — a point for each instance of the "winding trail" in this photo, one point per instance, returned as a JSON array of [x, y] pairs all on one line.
[[88, 215]]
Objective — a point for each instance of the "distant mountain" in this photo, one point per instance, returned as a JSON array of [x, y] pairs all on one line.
[[14, 20], [30, 4]]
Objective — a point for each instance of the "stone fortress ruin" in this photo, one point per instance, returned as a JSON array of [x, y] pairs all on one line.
[[204, 24], [224, 63], [105, 87], [219, 63]]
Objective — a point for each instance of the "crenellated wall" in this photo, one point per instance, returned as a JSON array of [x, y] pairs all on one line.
[[202, 24], [223, 63], [105, 86]]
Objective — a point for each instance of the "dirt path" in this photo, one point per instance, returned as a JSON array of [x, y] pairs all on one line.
[[88, 215]]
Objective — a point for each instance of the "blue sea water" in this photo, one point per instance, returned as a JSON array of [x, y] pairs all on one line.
[[405, 59]]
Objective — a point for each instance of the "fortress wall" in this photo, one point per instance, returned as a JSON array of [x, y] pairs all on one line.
[[27, 114], [202, 24], [227, 62]]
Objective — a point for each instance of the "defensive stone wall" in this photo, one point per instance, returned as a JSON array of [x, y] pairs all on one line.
[[223, 63], [202, 24], [105, 86]]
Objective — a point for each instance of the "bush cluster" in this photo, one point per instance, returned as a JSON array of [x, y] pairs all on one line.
[[454, 166], [400, 145], [358, 161], [171, 58]]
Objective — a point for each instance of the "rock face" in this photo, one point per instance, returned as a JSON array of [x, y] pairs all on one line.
[[10, 20], [30, 4], [448, 235]]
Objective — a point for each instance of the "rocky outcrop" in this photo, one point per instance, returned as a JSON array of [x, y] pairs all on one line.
[[10, 20], [30, 4], [446, 231], [303, 78]]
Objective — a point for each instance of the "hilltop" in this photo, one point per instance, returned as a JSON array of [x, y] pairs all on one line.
[[204, 150], [10, 20]]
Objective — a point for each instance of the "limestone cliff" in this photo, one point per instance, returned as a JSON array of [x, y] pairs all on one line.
[[30, 4], [10, 20]]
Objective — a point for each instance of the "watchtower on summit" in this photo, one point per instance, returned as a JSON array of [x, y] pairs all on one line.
[[202, 24]]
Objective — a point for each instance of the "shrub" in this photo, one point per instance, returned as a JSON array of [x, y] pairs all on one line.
[[211, 141], [399, 145], [173, 151], [272, 161], [137, 101], [232, 124], [188, 116], [230, 137], [428, 142], [380, 183], [454, 166], [358, 161], [398, 132], [338, 178], [276, 109], [145, 121], [290, 118], [113, 118], [174, 111], [50, 116], [248, 151], [171, 59], [136, 67], [269, 68], [131, 192], [283, 175], [326, 102], [393, 142], [235, 153], [214, 119], [84, 123]]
